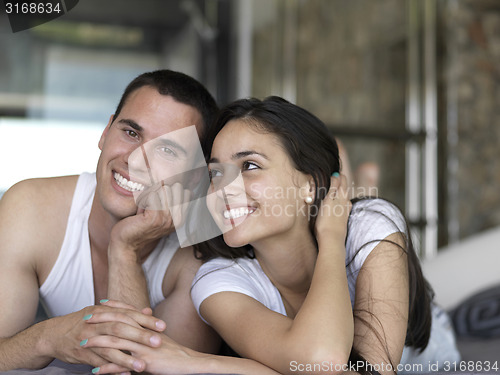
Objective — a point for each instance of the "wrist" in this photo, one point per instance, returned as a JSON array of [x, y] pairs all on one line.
[[122, 252], [331, 243], [44, 345]]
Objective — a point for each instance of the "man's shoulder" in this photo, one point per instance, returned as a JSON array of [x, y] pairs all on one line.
[[33, 217], [41, 192], [39, 204]]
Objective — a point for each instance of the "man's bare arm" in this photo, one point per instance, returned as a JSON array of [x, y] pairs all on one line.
[[24, 235], [133, 238], [33, 217]]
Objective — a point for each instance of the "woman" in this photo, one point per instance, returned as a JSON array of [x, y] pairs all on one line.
[[296, 263]]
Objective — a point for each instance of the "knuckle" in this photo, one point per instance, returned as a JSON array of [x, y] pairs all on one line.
[[115, 328]]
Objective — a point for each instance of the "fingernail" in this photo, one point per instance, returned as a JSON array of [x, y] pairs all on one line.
[[160, 325], [83, 342], [137, 366], [335, 174], [95, 370], [155, 340], [104, 301], [87, 317]]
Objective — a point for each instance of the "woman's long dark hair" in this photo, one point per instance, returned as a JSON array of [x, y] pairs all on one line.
[[307, 141]]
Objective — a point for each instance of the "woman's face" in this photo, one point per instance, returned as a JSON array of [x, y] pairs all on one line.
[[257, 193]]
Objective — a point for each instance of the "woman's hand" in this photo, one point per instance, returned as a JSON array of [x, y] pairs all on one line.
[[331, 223]]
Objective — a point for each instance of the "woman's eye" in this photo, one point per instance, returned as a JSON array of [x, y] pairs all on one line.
[[248, 165], [213, 173]]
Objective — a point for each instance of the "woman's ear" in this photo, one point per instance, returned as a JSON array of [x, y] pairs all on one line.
[[309, 190], [312, 187]]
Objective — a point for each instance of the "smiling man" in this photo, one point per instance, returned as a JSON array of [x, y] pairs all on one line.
[[73, 241]]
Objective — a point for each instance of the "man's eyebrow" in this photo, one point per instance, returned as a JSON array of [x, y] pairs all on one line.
[[240, 155], [134, 125]]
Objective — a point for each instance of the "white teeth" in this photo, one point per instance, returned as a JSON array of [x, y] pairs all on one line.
[[235, 213], [126, 184]]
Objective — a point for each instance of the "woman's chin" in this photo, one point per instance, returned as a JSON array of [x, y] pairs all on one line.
[[232, 240]]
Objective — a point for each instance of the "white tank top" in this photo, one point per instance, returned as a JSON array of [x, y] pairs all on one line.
[[70, 284]]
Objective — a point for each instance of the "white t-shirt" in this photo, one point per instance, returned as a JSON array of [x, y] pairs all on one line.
[[370, 221]]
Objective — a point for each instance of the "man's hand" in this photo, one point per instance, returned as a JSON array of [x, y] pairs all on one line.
[[73, 331], [140, 349], [160, 208]]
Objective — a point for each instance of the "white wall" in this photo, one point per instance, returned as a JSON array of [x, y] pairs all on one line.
[[42, 148]]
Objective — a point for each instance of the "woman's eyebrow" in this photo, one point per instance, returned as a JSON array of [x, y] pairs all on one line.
[[240, 155], [243, 154]]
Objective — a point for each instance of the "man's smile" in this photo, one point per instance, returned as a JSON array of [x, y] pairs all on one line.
[[126, 184]]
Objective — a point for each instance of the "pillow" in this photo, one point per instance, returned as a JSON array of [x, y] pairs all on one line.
[[478, 315]]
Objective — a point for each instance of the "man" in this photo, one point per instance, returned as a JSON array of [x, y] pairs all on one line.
[[78, 240]]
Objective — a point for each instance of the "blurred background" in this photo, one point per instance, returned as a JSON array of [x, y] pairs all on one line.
[[410, 87]]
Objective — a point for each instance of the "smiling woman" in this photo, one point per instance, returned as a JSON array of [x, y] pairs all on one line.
[[282, 283]]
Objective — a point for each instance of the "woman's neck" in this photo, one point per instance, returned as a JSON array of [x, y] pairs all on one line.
[[289, 264]]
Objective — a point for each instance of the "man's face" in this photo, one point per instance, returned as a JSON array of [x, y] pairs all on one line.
[[148, 128]]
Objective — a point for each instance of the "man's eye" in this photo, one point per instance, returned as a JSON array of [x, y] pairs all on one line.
[[168, 151], [131, 133]]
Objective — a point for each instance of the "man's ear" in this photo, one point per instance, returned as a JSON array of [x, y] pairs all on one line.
[[105, 132]]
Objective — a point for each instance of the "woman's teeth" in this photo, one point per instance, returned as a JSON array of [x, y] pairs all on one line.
[[235, 213], [126, 184]]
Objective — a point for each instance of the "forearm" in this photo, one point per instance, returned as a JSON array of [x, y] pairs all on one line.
[[28, 349], [326, 315], [196, 362], [242, 366], [126, 279]]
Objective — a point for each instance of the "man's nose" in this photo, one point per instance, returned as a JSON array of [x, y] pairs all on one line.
[[138, 162]]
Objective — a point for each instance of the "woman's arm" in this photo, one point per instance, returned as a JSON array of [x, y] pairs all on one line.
[[155, 352], [319, 338], [381, 304]]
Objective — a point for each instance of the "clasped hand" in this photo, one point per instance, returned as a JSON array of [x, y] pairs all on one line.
[[91, 335]]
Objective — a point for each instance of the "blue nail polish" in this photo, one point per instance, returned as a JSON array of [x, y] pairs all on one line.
[[335, 174], [95, 370], [87, 317], [83, 342], [103, 300]]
